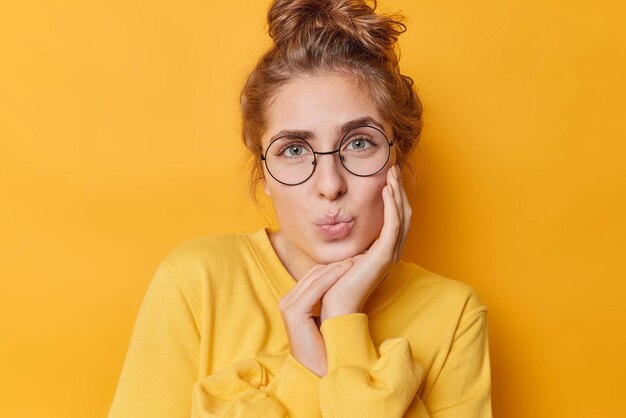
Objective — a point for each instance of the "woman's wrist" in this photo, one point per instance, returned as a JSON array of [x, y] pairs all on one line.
[[328, 313]]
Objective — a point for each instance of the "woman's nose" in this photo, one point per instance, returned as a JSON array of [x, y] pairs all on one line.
[[329, 176]]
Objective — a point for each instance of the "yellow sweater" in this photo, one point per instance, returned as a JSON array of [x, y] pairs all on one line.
[[209, 341]]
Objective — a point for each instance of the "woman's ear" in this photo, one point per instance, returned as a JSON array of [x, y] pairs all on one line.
[[266, 188], [261, 178]]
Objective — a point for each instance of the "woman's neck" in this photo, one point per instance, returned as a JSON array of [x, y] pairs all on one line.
[[295, 261]]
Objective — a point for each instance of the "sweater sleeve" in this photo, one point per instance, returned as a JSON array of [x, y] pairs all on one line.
[[359, 383], [463, 387], [160, 373], [161, 363], [247, 389]]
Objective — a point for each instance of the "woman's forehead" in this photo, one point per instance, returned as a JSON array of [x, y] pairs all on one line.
[[325, 105], [339, 130]]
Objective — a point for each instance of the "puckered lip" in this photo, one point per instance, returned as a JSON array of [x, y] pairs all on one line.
[[334, 227], [333, 219]]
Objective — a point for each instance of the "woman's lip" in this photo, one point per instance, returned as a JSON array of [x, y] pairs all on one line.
[[335, 231], [333, 219]]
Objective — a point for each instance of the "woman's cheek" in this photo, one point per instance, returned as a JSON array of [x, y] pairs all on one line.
[[287, 210]]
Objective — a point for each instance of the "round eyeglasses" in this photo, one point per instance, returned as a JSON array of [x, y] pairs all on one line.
[[363, 151]]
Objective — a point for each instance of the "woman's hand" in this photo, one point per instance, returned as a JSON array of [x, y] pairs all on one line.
[[344, 286], [349, 294], [300, 305]]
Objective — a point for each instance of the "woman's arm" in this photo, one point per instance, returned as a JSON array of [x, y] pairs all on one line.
[[161, 364], [359, 381], [160, 375], [246, 389], [463, 387], [298, 308], [362, 383], [349, 294]]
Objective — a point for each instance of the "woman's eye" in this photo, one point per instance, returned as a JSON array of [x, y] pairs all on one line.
[[358, 144], [294, 150]]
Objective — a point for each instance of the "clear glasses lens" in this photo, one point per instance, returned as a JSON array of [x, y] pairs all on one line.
[[364, 151], [290, 160]]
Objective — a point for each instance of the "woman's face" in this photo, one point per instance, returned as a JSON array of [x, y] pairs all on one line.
[[334, 214]]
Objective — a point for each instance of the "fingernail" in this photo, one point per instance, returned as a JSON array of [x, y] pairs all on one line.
[[395, 171]]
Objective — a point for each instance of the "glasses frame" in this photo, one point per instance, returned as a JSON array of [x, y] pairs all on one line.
[[337, 151]]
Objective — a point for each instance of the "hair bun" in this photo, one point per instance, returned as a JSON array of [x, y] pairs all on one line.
[[305, 23]]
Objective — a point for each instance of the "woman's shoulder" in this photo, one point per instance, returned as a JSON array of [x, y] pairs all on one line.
[[207, 248], [439, 291], [216, 246], [209, 253], [196, 263]]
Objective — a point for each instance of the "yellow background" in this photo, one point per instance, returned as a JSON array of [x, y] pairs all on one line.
[[119, 140]]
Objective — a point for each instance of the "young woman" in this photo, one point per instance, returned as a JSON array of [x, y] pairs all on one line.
[[320, 317]]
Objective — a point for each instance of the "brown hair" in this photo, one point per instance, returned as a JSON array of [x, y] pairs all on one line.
[[340, 36]]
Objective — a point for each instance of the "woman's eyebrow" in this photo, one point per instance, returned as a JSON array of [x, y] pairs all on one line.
[[341, 130], [306, 135], [364, 121]]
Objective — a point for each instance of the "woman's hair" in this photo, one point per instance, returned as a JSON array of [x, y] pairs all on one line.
[[338, 36]]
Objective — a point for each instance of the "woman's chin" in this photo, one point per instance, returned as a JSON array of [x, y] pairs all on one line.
[[338, 251]]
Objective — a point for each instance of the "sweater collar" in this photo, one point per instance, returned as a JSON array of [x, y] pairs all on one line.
[[281, 282]]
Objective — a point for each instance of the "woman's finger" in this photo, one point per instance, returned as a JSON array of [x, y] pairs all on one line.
[[399, 198], [312, 274], [300, 285], [391, 223], [407, 214], [313, 293]]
